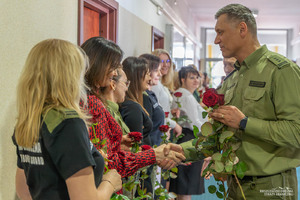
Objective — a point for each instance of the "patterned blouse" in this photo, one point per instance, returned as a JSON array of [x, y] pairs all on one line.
[[106, 127]]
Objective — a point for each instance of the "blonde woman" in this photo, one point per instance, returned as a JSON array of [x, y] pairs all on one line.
[[50, 125]]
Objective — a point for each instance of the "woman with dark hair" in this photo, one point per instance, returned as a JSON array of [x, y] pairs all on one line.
[[105, 57], [132, 110], [189, 181], [150, 103]]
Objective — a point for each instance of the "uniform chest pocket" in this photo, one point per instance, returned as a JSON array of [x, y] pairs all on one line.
[[254, 93]]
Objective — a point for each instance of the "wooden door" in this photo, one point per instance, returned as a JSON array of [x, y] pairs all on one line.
[[97, 18], [91, 23]]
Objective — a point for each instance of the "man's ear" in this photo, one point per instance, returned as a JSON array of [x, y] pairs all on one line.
[[243, 29]]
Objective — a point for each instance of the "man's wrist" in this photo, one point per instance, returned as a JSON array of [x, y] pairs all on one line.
[[243, 123]]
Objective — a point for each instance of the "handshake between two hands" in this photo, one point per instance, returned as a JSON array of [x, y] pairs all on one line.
[[169, 155]]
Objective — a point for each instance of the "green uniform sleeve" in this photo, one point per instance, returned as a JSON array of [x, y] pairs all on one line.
[[190, 152], [285, 131]]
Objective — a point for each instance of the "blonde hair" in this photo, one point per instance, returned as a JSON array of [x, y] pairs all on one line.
[[53, 77], [166, 80]]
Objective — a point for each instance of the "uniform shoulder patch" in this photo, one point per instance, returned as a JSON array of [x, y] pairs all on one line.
[[278, 60], [54, 117]]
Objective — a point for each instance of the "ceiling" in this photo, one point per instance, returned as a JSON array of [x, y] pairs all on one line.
[[272, 13]]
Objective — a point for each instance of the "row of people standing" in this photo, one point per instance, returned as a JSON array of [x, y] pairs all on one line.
[[56, 160]]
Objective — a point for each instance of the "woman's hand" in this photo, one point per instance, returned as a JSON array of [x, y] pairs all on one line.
[[126, 141], [175, 112], [177, 130], [113, 178]]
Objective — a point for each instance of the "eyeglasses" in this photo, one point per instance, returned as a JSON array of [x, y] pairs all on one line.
[[127, 83], [165, 61]]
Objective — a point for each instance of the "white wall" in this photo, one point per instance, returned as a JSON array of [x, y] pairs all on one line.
[[23, 24], [134, 34], [145, 11]]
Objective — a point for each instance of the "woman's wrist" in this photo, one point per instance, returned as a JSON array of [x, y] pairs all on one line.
[[105, 180]]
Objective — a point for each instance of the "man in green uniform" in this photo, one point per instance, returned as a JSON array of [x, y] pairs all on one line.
[[262, 102]]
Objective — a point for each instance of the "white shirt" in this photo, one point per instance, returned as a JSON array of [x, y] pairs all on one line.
[[165, 100], [190, 108]]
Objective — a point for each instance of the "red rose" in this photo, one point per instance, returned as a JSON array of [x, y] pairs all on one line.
[[210, 97], [177, 94], [145, 147], [166, 114], [95, 116], [137, 136], [164, 128]]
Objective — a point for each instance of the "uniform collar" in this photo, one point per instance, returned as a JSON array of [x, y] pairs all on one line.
[[252, 58]]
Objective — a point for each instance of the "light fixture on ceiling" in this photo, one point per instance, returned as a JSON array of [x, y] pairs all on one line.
[[159, 10], [175, 2], [254, 12]]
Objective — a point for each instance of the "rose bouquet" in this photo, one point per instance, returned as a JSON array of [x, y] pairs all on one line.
[[218, 142]]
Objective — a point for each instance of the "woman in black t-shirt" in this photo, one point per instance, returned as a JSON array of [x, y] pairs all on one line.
[[56, 160]]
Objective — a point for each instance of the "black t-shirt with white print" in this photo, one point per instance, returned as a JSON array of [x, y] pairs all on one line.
[[63, 149]]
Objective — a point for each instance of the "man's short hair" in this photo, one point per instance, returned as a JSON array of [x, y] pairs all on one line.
[[239, 13]]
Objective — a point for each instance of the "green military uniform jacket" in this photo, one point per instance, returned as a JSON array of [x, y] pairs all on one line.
[[266, 88], [113, 109]]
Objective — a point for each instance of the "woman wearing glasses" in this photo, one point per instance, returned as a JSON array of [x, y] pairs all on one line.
[[114, 94], [164, 88], [105, 57]]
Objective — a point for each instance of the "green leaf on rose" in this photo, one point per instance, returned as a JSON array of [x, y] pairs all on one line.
[[174, 169], [217, 156], [219, 166], [212, 189], [225, 135], [221, 188], [241, 168], [229, 166], [195, 131], [194, 142], [219, 195], [173, 175], [204, 114], [206, 129], [227, 152]]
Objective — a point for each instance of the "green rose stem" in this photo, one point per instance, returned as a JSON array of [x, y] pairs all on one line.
[[95, 140], [225, 193], [237, 181]]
